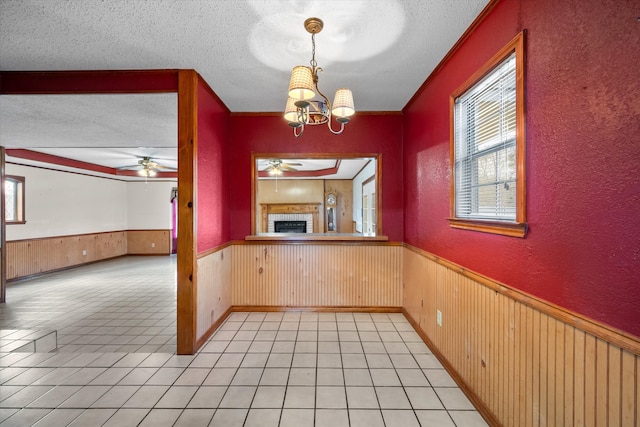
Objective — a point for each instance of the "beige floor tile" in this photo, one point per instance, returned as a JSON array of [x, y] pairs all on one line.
[[207, 397], [300, 397], [229, 418], [263, 418], [329, 397], [195, 418], [399, 418], [332, 418], [299, 368], [161, 418], [126, 417], [177, 397], [297, 418], [269, 397], [362, 398], [366, 418], [59, 418], [468, 419], [25, 417]]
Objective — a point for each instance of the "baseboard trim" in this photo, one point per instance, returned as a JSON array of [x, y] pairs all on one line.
[[479, 405], [158, 254], [200, 342], [319, 309]]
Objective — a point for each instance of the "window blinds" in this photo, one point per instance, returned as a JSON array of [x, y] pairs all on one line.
[[485, 146]]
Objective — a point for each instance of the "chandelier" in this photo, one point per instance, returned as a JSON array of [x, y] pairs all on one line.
[[302, 109]]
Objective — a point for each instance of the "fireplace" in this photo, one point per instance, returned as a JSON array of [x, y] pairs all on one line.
[[289, 212], [290, 226]]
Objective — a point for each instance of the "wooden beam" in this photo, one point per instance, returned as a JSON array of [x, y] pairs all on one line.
[[187, 175]]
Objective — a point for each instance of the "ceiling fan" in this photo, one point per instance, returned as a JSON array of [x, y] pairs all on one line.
[[147, 167], [277, 166]]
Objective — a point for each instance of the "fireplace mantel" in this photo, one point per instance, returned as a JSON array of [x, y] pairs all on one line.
[[289, 208]]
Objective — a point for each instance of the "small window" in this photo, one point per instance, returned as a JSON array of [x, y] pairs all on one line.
[[14, 199], [488, 147]]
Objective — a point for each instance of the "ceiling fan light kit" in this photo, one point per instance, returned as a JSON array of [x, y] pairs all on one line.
[[147, 168], [147, 172], [301, 108], [278, 166]]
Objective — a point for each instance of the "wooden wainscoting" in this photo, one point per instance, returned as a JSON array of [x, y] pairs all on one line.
[[36, 256], [148, 242], [317, 275], [528, 363], [213, 291]]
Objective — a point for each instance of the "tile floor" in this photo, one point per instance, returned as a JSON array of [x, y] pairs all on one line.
[[259, 369], [121, 305]]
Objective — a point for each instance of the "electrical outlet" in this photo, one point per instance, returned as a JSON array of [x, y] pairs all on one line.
[[84, 252], [439, 317], [153, 245]]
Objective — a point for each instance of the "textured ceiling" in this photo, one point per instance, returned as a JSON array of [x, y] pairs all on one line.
[[381, 49]]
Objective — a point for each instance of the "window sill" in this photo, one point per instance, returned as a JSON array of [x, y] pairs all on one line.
[[493, 227], [15, 222]]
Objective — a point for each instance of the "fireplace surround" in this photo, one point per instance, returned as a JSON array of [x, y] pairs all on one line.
[[307, 212]]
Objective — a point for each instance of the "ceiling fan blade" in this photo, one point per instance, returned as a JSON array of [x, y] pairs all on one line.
[[287, 167], [293, 164]]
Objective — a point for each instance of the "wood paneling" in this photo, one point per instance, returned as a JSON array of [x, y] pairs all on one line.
[[148, 242], [312, 275], [214, 289], [36, 256], [526, 366]]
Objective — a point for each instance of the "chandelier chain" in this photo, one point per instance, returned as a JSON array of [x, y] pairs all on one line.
[[313, 53]]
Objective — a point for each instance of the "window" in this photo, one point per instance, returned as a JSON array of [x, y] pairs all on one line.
[[14, 199], [488, 147]]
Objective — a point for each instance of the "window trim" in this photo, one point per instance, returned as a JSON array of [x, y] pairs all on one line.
[[21, 199], [507, 228]]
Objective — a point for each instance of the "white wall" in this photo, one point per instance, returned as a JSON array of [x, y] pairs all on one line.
[[62, 203], [148, 205]]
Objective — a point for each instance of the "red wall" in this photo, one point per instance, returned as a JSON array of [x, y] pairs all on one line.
[[582, 251], [271, 134], [212, 172], [75, 82]]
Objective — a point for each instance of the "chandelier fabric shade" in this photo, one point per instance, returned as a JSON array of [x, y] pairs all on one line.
[[343, 104], [291, 111], [301, 83], [301, 108]]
